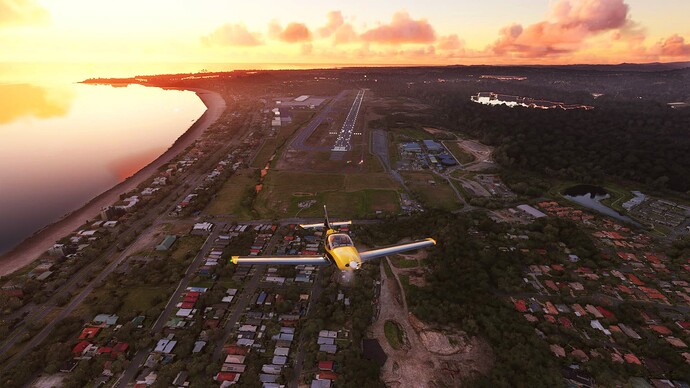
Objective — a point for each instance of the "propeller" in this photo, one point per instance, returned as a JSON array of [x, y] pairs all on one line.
[[354, 264]]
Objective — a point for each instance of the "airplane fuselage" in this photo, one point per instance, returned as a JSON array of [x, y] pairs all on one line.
[[345, 256]]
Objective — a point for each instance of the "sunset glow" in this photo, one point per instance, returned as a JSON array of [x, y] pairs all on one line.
[[343, 33]]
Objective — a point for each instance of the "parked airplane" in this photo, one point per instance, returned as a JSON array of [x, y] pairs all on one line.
[[340, 250]]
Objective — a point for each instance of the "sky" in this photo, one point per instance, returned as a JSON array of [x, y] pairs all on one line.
[[338, 32]]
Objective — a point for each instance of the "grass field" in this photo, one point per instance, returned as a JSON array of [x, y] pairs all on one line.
[[387, 269], [401, 262], [394, 334], [186, 245], [346, 195], [230, 196], [141, 299], [407, 134], [265, 153], [438, 195], [461, 155]]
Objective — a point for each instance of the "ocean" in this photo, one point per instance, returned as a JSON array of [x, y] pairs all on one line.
[[63, 143]]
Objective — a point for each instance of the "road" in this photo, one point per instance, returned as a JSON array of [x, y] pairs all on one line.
[[240, 306], [243, 301], [379, 147], [299, 359], [133, 367]]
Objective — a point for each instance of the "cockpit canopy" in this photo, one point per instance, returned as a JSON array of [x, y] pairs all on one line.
[[338, 240]]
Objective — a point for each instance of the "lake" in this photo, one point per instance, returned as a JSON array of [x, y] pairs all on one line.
[[590, 197], [63, 143]]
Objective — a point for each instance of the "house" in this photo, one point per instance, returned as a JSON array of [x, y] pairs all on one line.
[[326, 375], [663, 330], [330, 349], [326, 365], [181, 379], [202, 228], [267, 379], [227, 376], [320, 384], [325, 341], [279, 360], [234, 359], [198, 346], [234, 368], [107, 320], [271, 369], [138, 321], [89, 332], [677, 342], [79, 348], [232, 349], [167, 243], [165, 345], [281, 351], [119, 348]]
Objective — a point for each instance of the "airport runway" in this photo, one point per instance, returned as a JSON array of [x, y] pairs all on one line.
[[343, 143], [298, 143]]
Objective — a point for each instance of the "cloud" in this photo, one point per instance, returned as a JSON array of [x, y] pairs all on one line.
[[232, 35], [306, 49], [569, 24], [293, 33], [32, 101], [402, 29], [673, 46], [17, 12], [342, 32], [335, 20], [450, 42]]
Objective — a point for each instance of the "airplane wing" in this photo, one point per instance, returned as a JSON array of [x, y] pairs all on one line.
[[280, 260], [393, 249], [320, 225]]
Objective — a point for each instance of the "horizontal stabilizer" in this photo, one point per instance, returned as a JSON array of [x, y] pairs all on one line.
[[393, 249], [320, 225], [279, 260]]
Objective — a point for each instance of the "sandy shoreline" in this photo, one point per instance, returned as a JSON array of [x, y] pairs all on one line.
[[32, 247]]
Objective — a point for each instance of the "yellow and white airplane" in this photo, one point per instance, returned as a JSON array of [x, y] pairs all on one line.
[[340, 250]]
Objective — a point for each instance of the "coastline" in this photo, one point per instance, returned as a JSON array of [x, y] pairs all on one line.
[[33, 246]]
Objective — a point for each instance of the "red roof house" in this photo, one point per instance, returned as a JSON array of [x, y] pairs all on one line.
[[326, 375], [89, 332], [79, 348], [326, 365], [605, 312], [227, 376], [520, 306], [120, 347], [661, 329]]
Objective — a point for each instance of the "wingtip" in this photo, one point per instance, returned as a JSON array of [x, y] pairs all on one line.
[[432, 240], [233, 259]]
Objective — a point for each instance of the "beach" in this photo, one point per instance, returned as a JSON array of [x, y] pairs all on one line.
[[31, 248]]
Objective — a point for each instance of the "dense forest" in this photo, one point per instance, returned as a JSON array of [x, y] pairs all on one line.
[[638, 140], [466, 274]]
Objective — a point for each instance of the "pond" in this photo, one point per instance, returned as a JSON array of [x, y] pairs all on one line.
[[590, 196]]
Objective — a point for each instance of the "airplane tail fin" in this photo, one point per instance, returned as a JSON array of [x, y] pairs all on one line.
[[326, 224]]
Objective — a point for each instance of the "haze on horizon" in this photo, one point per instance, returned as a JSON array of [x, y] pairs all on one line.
[[431, 32]]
